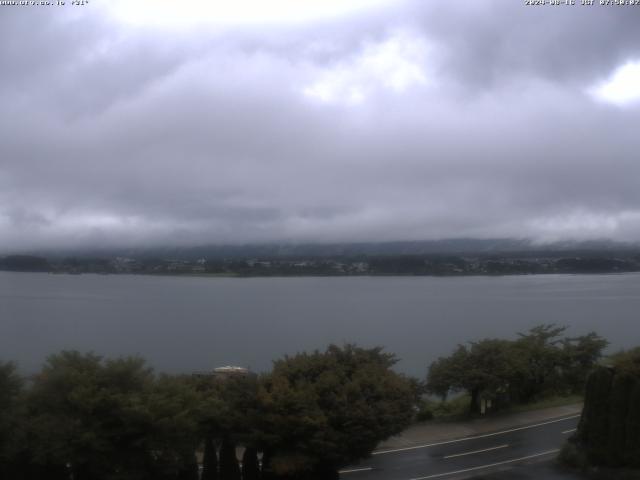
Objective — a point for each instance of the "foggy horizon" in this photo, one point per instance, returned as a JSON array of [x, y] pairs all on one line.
[[131, 125]]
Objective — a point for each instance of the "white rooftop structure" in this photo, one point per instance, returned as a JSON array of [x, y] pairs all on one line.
[[231, 370]]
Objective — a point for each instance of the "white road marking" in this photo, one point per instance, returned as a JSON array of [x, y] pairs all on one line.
[[353, 470], [437, 475], [476, 451], [465, 439], [569, 431]]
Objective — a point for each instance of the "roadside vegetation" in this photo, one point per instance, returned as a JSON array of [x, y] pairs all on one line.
[[457, 408], [84, 417], [607, 441], [538, 367]]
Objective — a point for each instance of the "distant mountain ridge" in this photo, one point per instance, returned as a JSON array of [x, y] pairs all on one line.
[[457, 246]]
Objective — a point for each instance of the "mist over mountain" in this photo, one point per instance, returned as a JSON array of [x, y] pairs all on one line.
[[453, 246]]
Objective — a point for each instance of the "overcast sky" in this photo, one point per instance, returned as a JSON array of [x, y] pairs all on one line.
[[210, 122]]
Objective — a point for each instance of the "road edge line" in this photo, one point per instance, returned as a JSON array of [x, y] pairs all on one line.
[[482, 467], [456, 455], [484, 435]]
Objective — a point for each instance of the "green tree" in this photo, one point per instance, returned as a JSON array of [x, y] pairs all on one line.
[[171, 414], [229, 409], [73, 412], [609, 429], [110, 419], [579, 355], [540, 358], [627, 361], [446, 373], [539, 362], [622, 387], [239, 408], [593, 429], [627, 365], [483, 370], [327, 409]]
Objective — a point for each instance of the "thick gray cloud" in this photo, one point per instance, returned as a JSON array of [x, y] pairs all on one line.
[[410, 120]]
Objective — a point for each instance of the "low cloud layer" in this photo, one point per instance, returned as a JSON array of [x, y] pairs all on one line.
[[404, 120]]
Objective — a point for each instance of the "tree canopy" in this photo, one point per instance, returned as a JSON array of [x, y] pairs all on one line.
[[86, 417], [91, 418], [537, 363], [327, 409], [609, 430]]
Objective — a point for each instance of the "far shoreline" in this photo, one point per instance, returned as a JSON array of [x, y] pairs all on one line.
[[310, 275]]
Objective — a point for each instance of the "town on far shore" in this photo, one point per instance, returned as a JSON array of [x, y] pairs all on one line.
[[349, 264]]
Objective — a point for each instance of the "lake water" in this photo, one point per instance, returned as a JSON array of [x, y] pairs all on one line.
[[181, 324]]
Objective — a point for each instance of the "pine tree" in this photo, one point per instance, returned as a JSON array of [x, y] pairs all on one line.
[[250, 467], [594, 424], [632, 443], [620, 394], [210, 460], [229, 468], [609, 430], [266, 472], [189, 468]]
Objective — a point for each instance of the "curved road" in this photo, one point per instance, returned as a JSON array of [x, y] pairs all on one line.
[[470, 456]]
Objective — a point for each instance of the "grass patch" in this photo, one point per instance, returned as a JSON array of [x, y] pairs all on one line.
[[455, 408], [458, 408], [549, 402]]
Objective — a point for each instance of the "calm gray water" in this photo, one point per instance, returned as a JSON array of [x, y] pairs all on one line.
[[182, 324]]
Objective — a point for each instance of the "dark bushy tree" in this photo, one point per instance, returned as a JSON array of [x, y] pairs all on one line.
[[483, 370], [579, 355], [89, 418], [609, 429], [538, 363], [594, 423], [76, 408], [171, 410], [540, 360], [328, 409], [110, 419], [621, 388], [446, 374]]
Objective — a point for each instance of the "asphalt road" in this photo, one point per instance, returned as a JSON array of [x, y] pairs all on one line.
[[501, 455]]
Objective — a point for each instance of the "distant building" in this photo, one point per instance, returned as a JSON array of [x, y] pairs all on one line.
[[230, 371], [222, 373]]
